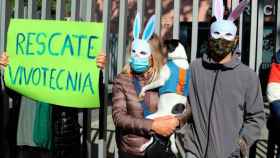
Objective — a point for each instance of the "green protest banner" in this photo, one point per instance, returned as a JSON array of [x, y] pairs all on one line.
[[55, 61]]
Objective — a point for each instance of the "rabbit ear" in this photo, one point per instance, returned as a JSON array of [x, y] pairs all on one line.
[[238, 10], [136, 27], [218, 9], [149, 29]]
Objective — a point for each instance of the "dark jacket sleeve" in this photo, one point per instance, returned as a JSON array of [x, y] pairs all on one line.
[[254, 116], [122, 118]]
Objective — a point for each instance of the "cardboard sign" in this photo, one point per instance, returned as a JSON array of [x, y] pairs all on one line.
[[55, 61]]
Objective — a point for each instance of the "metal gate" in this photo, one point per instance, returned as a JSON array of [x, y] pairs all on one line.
[[115, 44]]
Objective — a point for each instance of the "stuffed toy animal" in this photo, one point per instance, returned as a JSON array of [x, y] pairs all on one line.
[[173, 86]]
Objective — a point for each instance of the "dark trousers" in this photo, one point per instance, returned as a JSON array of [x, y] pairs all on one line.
[[273, 125], [275, 113], [66, 132], [126, 155], [8, 122]]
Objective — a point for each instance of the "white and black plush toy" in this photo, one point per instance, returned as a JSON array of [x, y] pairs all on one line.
[[173, 86]]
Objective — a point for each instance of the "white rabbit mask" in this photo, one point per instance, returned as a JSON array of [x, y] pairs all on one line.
[[225, 29], [141, 47]]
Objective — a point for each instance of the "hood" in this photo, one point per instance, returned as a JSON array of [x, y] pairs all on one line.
[[209, 63]]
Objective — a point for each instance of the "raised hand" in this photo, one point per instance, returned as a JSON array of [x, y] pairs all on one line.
[[101, 60], [4, 59]]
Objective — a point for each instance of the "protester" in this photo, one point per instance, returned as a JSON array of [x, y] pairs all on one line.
[[225, 96], [273, 96], [132, 129]]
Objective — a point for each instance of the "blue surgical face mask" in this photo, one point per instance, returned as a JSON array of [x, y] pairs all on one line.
[[139, 65]]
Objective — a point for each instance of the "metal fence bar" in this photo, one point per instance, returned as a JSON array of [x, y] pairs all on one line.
[[19, 6], [32, 9], [87, 6], [233, 5], [103, 108], [122, 35], [90, 5], [277, 25], [60, 8], [260, 35], [46, 9], [176, 20], [25, 12], [140, 10], [158, 16], [194, 29], [253, 34], [241, 18], [5, 16], [75, 5], [83, 9], [1, 41]]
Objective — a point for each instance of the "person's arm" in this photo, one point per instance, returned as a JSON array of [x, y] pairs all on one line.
[[254, 116], [122, 119]]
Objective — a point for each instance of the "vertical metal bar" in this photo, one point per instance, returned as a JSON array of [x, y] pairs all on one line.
[[277, 25], [46, 9], [32, 9], [140, 11], [75, 5], [158, 16], [103, 108], [60, 9], [260, 35], [176, 20], [253, 34], [25, 12], [19, 5], [87, 118], [122, 35], [240, 31], [1, 27], [235, 4], [5, 17], [90, 5], [194, 29], [83, 9]]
